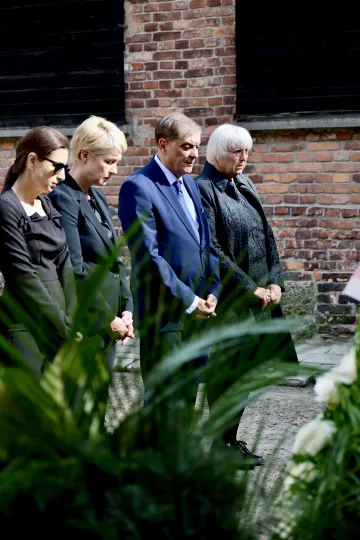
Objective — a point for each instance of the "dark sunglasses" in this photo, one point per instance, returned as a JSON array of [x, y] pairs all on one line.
[[57, 166]]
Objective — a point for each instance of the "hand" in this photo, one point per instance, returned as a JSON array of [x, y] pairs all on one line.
[[203, 311], [264, 295], [79, 337], [211, 301], [275, 293], [117, 329], [130, 333], [127, 317]]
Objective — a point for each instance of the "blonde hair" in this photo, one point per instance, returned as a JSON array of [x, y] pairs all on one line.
[[224, 138], [97, 135]]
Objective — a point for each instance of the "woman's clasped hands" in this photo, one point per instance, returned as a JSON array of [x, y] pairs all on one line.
[[121, 328], [269, 295]]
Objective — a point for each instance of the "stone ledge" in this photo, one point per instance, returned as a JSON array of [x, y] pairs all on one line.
[[299, 381]]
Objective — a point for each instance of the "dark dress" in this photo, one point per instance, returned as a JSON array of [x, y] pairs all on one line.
[[91, 238], [249, 259], [39, 297]]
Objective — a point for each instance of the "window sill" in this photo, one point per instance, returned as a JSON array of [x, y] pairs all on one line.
[[68, 131], [299, 121]]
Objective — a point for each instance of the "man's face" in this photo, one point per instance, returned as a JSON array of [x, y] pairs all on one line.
[[179, 155]]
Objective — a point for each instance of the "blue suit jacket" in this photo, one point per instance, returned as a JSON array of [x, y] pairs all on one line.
[[169, 265]]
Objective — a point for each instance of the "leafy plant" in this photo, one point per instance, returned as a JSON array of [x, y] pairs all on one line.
[[63, 473], [321, 493]]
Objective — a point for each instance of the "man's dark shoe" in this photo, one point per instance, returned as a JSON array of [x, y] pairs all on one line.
[[250, 460]]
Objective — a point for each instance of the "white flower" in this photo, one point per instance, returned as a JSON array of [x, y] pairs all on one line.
[[348, 367], [327, 389], [312, 437], [305, 472], [327, 385]]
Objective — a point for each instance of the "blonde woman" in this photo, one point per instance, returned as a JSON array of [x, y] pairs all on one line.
[[96, 149]]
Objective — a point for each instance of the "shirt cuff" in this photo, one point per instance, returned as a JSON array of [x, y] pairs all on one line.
[[193, 305]]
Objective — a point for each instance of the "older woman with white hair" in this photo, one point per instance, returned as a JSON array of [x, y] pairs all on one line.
[[96, 149], [250, 269]]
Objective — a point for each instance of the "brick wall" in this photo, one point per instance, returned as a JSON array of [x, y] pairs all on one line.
[[309, 183], [180, 55]]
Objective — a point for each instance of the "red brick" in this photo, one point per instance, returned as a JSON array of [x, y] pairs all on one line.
[[165, 85], [165, 65], [150, 46], [291, 199], [350, 212], [323, 156], [305, 167], [166, 26], [320, 146], [166, 36], [344, 135], [151, 85], [341, 167], [307, 199], [315, 211], [151, 27]]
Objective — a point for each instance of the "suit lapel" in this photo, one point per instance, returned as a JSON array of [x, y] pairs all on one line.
[[105, 212], [88, 211], [89, 214]]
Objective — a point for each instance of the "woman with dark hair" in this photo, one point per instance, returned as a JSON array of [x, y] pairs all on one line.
[[39, 295], [250, 269]]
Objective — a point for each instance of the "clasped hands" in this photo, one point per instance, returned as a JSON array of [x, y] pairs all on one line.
[[205, 308], [122, 328], [270, 295]]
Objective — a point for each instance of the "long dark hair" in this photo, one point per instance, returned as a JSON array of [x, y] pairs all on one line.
[[42, 140]]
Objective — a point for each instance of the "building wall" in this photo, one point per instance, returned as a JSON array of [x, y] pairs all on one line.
[[180, 55]]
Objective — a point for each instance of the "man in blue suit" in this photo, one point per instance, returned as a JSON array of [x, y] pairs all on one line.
[[175, 270]]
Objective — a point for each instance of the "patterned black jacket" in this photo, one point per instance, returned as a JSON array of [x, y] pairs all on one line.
[[230, 233]]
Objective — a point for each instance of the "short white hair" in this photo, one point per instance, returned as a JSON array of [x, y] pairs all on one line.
[[225, 138]]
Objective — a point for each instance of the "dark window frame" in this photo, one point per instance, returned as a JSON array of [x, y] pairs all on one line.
[[302, 63], [64, 68]]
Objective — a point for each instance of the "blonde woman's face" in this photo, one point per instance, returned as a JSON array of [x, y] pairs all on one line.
[[99, 168]]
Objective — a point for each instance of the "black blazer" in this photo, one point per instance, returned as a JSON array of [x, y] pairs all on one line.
[[89, 246], [40, 292], [234, 263]]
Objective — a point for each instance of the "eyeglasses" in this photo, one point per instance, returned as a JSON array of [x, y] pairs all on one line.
[[57, 166]]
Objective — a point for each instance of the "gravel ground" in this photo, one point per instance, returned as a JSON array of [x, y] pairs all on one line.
[[269, 425], [270, 422]]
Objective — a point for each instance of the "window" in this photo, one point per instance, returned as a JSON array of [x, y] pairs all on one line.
[[296, 58], [60, 61]]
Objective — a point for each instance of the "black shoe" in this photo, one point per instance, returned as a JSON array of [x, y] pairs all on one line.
[[250, 460]]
